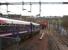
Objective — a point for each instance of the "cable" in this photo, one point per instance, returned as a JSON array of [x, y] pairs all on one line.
[[27, 3]]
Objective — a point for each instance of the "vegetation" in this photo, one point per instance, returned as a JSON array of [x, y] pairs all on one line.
[[65, 21]]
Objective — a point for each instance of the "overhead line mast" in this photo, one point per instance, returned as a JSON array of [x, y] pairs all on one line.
[[31, 3], [40, 8]]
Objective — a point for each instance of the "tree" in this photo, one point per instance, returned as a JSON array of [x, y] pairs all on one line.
[[65, 21]]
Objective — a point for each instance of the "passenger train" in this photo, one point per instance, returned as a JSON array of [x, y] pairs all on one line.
[[10, 28]]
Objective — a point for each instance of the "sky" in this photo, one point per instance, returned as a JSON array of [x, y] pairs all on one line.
[[46, 9]]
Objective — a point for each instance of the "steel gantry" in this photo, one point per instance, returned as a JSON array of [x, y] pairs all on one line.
[[31, 3]]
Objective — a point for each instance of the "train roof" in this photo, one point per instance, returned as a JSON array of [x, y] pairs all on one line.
[[35, 23], [12, 21]]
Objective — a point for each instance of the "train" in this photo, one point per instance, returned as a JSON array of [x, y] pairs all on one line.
[[11, 29]]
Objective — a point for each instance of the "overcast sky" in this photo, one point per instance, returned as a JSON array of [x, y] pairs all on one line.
[[47, 9]]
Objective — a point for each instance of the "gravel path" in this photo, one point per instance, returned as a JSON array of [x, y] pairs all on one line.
[[33, 44]]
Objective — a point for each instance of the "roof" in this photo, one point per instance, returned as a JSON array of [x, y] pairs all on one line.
[[35, 23], [12, 21]]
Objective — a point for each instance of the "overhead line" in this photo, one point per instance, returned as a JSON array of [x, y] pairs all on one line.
[[28, 3]]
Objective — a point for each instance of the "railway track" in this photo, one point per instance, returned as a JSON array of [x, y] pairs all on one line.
[[63, 41], [58, 42]]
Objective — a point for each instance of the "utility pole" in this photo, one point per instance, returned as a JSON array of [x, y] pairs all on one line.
[[7, 10], [30, 7], [0, 8], [40, 8]]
